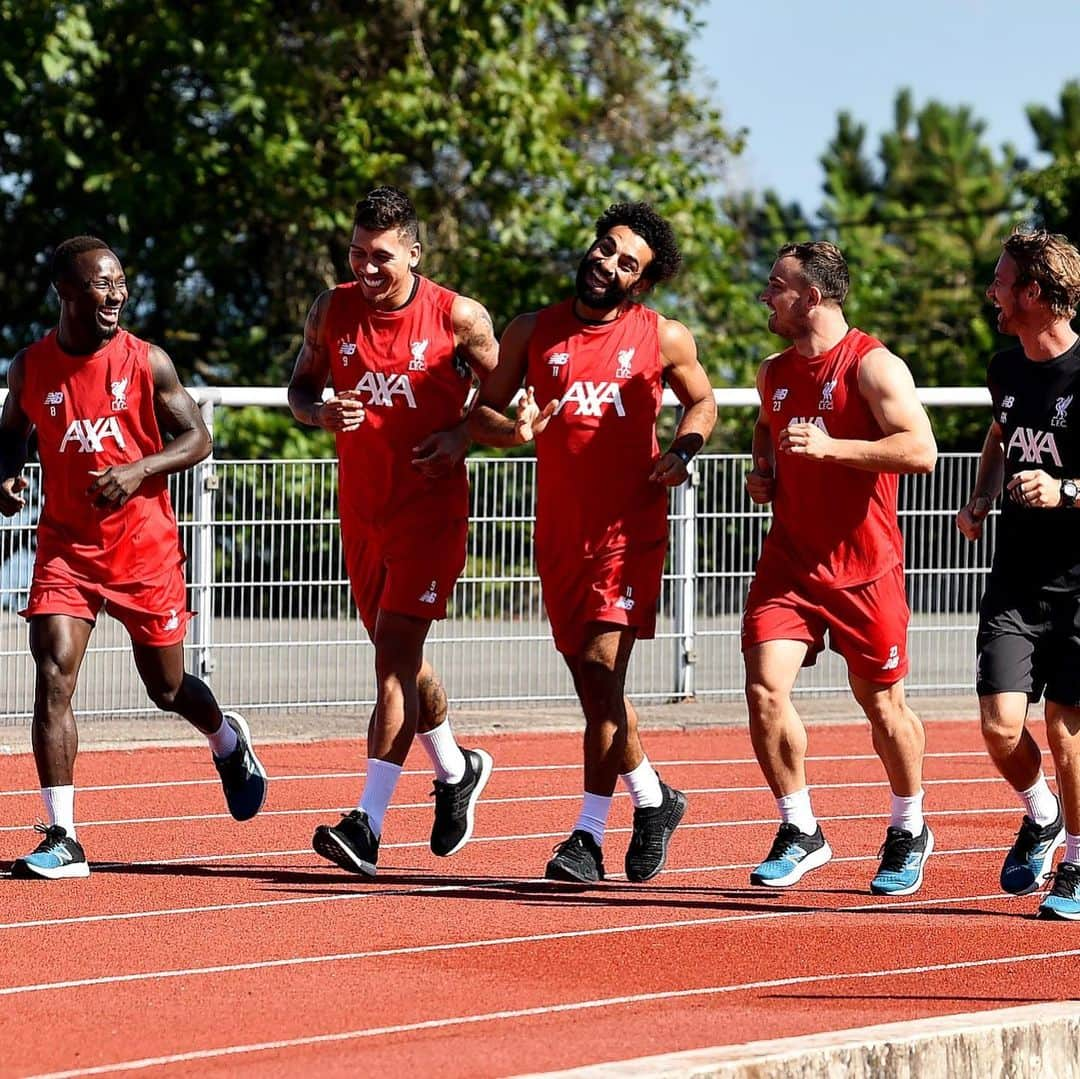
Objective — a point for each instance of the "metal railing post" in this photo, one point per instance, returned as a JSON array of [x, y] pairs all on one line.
[[202, 550], [684, 567]]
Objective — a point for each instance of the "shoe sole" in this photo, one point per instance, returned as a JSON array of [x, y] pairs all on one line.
[[1047, 868], [813, 860], [21, 870], [486, 766], [242, 724], [679, 812], [911, 888], [556, 871], [1050, 915], [327, 844]]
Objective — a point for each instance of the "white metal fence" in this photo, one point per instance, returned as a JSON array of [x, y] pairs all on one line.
[[277, 630]]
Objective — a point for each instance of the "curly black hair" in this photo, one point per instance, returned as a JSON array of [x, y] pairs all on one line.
[[387, 208], [642, 219], [63, 258]]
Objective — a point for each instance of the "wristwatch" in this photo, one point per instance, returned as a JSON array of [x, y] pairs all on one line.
[[1069, 492]]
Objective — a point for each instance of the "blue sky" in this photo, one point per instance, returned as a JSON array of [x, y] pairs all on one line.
[[785, 69]]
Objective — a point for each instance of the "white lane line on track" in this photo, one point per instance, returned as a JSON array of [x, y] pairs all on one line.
[[551, 1009], [499, 768], [467, 884], [492, 942], [516, 800]]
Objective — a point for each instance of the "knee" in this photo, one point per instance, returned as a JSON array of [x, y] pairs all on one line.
[[56, 686], [765, 703], [1001, 734], [165, 694]]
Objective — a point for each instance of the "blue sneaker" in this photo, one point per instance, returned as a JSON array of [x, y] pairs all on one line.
[[243, 778], [56, 857], [1027, 865], [903, 856], [1064, 899], [792, 855]]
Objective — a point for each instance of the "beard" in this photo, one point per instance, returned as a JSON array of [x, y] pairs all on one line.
[[603, 300]]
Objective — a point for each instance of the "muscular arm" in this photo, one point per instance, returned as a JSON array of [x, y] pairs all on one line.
[[311, 372], [907, 443], [690, 384], [988, 482], [761, 481], [487, 422], [14, 431]]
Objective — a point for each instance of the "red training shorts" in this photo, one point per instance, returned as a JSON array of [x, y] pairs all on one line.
[[620, 586], [408, 569], [154, 612], [867, 624]]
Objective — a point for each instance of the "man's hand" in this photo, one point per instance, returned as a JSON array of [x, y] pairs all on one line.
[[761, 482], [342, 412], [10, 499], [440, 453], [1035, 489], [670, 470], [970, 519], [530, 421], [113, 486], [805, 440]]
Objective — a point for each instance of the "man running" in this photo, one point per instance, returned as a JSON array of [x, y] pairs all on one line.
[[101, 400]]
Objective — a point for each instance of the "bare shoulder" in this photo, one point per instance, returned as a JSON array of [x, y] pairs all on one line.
[[520, 330], [882, 370], [466, 312], [162, 368], [17, 370], [675, 339]]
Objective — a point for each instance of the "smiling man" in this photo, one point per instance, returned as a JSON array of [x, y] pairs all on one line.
[[1029, 622], [101, 400], [594, 366], [839, 419], [400, 352]]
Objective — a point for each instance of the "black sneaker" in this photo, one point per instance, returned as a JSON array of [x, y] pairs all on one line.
[[577, 859], [243, 778], [647, 853], [350, 843], [1027, 865], [455, 804], [56, 857]]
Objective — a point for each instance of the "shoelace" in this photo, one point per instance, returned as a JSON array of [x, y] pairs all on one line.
[[450, 798], [1070, 881], [1028, 838], [895, 851], [784, 841], [54, 836]]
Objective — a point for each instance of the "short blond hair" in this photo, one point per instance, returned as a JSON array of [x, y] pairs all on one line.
[[1050, 261]]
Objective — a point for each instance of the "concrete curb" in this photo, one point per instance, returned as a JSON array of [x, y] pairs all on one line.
[[1035, 1042]]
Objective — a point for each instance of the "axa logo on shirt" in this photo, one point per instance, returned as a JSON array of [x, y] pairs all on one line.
[[417, 350], [1033, 447], [90, 435], [777, 397], [1061, 407], [382, 388], [590, 398], [817, 421], [623, 361]]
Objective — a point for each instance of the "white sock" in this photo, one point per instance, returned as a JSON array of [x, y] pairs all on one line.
[[907, 813], [382, 778], [60, 807], [1072, 849], [444, 753], [644, 786], [593, 816], [795, 809], [224, 740], [1040, 803]]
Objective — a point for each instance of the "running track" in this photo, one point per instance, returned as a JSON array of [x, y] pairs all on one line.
[[202, 947]]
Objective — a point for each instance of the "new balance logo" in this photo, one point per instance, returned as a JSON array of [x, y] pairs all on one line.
[[777, 397], [382, 388], [118, 390], [417, 350], [91, 434], [894, 659], [431, 595], [590, 398], [1033, 446], [1061, 406], [52, 399], [345, 350], [1008, 401], [626, 601], [623, 362], [172, 622], [557, 360], [826, 402]]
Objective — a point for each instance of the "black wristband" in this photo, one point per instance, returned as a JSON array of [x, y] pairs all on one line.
[[683, 455]]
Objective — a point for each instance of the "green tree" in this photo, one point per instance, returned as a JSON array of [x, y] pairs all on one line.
[[1056, 188]]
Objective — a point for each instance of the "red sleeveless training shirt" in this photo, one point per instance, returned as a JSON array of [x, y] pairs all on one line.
[[92, 412], [832, 524], [596, 453], [404, 365]]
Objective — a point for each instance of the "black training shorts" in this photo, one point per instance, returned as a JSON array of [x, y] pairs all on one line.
[[1029, 643]]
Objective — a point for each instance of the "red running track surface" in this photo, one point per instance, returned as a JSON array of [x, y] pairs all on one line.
[[217, 948]]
